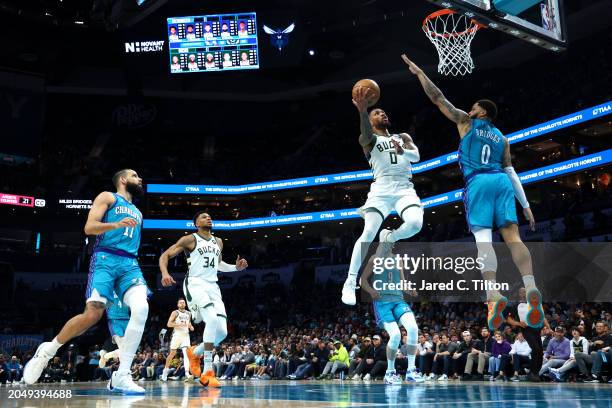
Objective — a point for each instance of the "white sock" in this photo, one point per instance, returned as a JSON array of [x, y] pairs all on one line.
[[390, 366], [199, 350], [373, 220], [208, 360], [53, 346], [186, 361], [410, 362], [136, 299], [493, 294], [165, 373], [529, 282]]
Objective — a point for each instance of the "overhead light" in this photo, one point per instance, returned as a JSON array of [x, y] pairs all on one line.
[[311, 52], [79, 22]]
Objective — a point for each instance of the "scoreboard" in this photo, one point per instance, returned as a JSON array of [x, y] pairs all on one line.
[[219, 42]]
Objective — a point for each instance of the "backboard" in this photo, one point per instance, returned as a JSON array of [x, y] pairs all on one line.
[[540, 22]]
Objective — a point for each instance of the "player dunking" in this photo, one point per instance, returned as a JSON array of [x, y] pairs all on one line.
[[201, 290], [389, 156], [490, 187], [117, 223], [180, 322]]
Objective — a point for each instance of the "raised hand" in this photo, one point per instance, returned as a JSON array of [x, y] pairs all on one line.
[[360, 100], [414, 68]]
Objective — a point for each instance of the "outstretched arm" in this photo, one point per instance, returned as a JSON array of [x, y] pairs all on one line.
[[519, 192], [436, 96]]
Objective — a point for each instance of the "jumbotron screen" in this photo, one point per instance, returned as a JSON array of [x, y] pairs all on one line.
[[217, 42]]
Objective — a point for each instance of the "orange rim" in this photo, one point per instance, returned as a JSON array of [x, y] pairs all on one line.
[[444, 12]]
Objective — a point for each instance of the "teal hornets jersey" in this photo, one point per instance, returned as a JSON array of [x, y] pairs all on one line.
[[481, 150], [386, 277], [121, 240]]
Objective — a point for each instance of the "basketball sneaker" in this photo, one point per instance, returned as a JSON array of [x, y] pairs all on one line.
[[121, 382], [194, 362], [495, 317], [391, 378], [209, 380], [414, 376], [535, 313], [348, 292], [36, 365]]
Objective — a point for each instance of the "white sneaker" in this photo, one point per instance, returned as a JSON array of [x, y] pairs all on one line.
[[189, 378], [443, 377], [367, 377], [36, 365], [102, 362], [348, 292], [430, 377], [122, 382], [356, 377], [414, 376], [391, 378]]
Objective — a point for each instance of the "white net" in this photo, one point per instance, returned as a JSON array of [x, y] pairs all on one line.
[[452, 33]]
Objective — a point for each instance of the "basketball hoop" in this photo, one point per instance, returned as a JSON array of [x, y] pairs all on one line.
[[452, 33]]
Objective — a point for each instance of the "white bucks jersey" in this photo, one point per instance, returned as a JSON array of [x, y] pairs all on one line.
[[203, 261], [182, 318], [384, 160]]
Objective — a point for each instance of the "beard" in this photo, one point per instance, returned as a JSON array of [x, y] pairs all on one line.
[[384, 124], [134, 189]]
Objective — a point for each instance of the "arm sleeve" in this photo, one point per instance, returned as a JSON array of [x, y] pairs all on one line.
[[413, 155], [517, 186], [225, 267]]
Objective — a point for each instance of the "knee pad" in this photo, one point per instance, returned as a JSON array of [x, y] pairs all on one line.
[[412, 330], [394, 335], [136, 299]]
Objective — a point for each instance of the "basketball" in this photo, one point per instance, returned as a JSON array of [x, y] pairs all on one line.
[[373, 93]]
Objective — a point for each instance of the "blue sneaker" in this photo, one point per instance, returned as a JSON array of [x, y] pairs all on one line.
[[555, 375], [414, 376]]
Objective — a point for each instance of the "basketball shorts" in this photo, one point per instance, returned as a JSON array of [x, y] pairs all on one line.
[[388, 195], [489, 201], [179, 340], [108, 273], [201, 294], [389, 312]]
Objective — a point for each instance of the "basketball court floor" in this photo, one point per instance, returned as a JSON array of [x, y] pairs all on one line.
[[319, 394]]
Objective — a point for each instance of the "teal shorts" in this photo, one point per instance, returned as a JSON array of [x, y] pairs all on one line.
[[489, 201], [390, 312], [110, 274]]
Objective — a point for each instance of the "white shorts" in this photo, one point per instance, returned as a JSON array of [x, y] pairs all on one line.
[[201, 294], [179, 340], [386, 195]]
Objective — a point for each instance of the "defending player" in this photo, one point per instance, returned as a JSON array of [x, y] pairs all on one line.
[[201, 290], [389, 310], [117, 223], [390, 156], [490, 187], [180, 322]]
